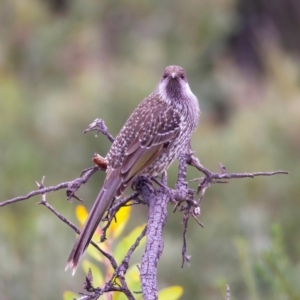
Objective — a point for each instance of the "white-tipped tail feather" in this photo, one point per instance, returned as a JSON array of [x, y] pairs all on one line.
[[101, 204]]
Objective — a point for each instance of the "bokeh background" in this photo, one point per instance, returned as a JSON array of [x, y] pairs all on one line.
[[64, 63]]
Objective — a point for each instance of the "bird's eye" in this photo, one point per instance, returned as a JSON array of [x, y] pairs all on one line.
[[165, 76], [182, 76]]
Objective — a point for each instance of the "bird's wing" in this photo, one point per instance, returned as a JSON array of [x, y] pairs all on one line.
[[156, 134]]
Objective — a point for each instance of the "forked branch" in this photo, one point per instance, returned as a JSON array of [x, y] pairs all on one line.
[[156, 197]]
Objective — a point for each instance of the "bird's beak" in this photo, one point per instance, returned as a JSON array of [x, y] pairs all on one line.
[[173, 75]]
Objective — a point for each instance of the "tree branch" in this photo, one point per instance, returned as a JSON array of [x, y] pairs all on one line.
[[157, 199]]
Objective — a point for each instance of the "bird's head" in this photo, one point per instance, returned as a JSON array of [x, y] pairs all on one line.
[[172, 73], [174, 84]]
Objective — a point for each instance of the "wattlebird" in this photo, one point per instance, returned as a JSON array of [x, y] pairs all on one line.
[[155, 134]]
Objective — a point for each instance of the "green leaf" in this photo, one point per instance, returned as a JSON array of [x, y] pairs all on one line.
[[133, 279], [67, 295], [93, 252], [247, 270], [171, 293], [127, 242]]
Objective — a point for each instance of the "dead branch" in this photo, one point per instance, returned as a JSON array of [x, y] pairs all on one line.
[[157, 199]]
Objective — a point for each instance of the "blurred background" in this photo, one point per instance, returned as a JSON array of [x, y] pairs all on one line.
[[64, 63]]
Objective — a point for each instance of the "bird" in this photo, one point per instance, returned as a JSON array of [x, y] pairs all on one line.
[[156, 133]]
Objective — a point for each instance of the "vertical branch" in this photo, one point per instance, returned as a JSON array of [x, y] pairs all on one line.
[[181, 179], [157, 218]]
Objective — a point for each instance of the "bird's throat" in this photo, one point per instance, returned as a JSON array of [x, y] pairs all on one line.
[[174, 89]]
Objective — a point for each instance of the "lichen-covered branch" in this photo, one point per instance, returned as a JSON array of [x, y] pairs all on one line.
[[157, 200]]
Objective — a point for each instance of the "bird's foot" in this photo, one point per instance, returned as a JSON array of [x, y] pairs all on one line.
[[142, 182]]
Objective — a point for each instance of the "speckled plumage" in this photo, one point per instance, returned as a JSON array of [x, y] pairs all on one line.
[[158, 130]]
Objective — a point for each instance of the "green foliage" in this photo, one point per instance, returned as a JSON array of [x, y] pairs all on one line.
[[274, 277], [118, 249], [280, 274], [246, 269]]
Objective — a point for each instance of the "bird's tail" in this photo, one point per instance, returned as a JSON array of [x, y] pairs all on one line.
[[102, 202]]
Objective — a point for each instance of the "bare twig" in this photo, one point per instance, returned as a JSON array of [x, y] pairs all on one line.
[[113, 211], [71, 186], [185, 256], [119, 273], [70, 224], [194, 161], [99, 126], [211, 177]]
